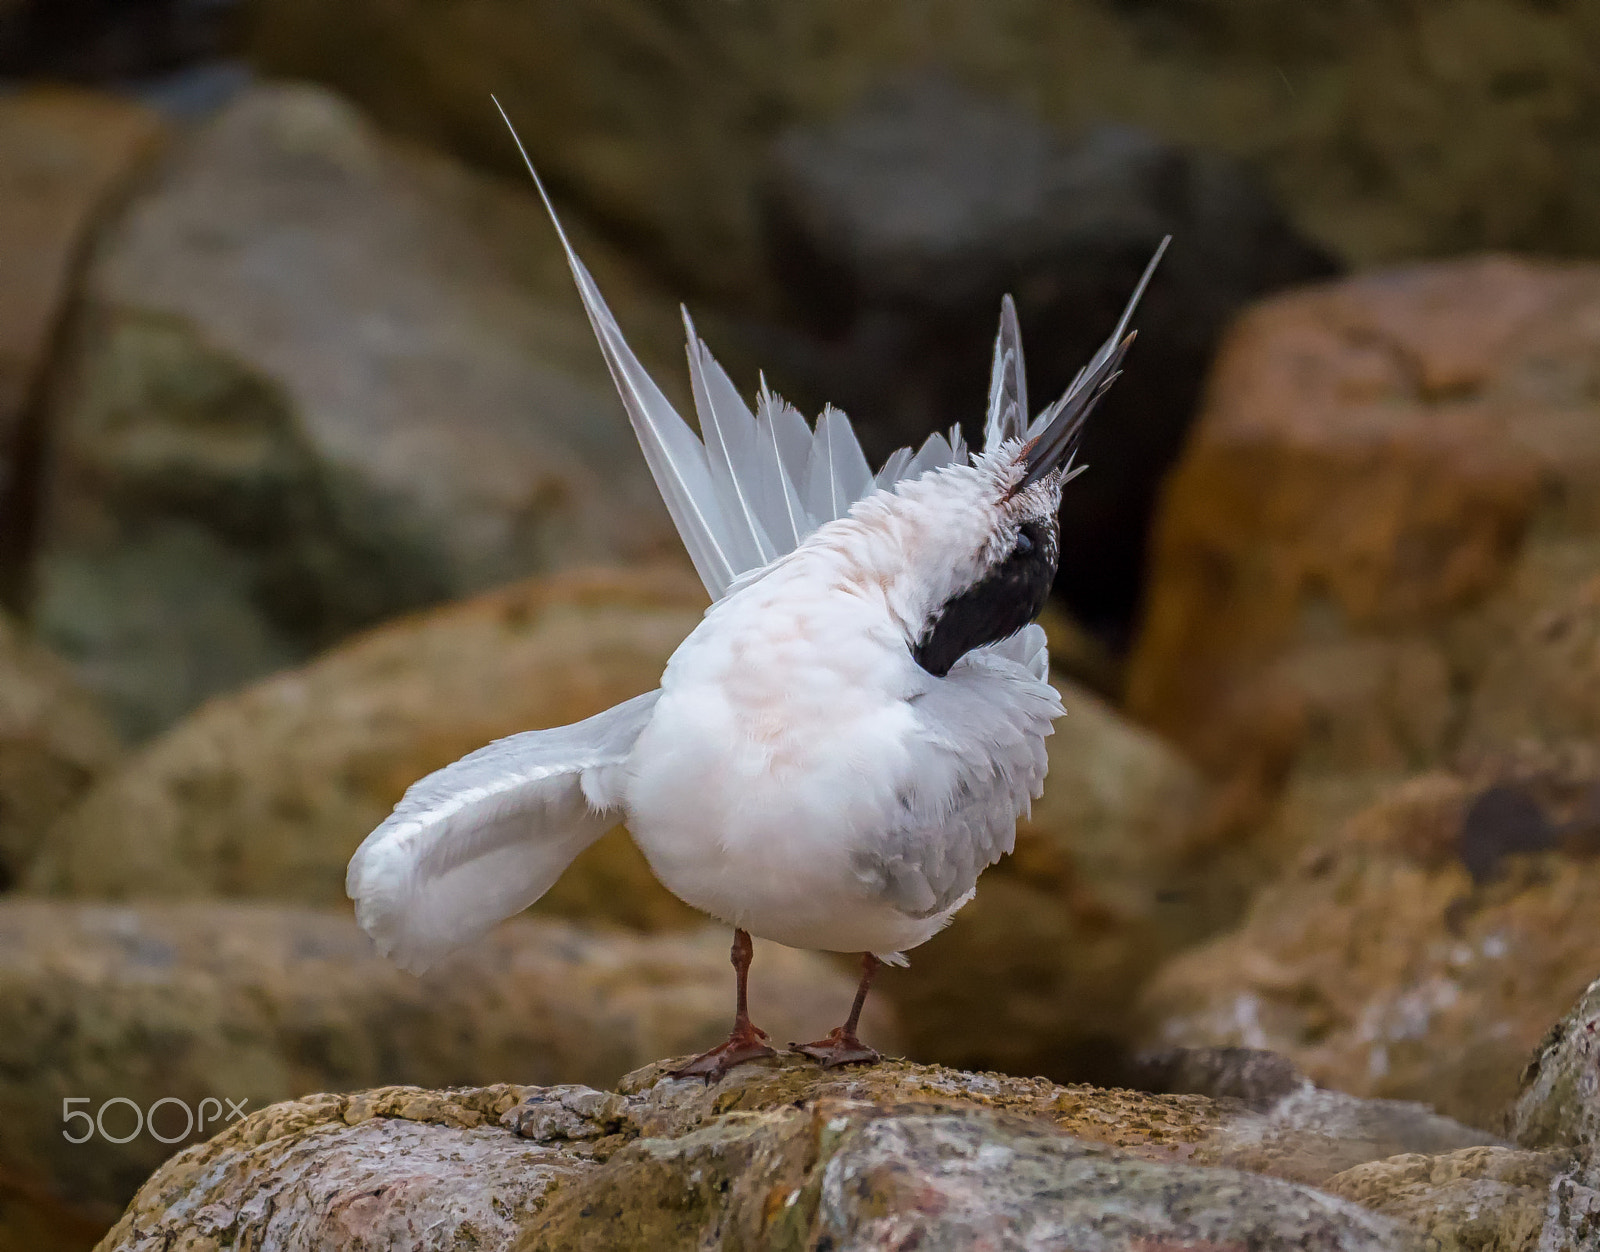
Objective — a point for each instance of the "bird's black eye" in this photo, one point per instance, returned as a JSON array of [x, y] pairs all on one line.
[[1024, 544]]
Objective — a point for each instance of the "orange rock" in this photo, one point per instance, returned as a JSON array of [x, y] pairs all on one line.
[[1422, 952], [1384, 474], [54, 740]]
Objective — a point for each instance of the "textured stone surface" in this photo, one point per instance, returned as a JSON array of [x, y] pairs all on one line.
[[321, 378], [65, 157], [54, 741], [1477, 1200], [1416, 953], [778, 1155], [267, 792], [851, 1176], [1306, 1136], [255, 1003], [1452, 127], [398, 1167], [1559, 1104]]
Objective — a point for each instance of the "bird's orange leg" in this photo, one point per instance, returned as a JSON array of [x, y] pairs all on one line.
[[841, 1047], [747, 1042]]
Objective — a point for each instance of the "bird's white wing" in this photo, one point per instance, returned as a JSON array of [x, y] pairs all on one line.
[[484, 838], [749, 487], [981, 762]]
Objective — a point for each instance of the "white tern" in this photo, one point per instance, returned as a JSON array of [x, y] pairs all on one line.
[[844, 742]]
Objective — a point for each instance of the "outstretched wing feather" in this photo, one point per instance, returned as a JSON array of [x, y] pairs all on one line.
[[484, 838]]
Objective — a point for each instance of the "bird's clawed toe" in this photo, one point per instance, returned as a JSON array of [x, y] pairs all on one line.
[[744, 1044], [841, 1047]]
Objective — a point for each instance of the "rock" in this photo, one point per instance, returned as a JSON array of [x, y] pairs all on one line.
[[1034, 975], [1539, 678], [267, 792], [1253, 1075], [1386, 136], [322, 378], [65, 158], [54, 741], [894, 231], [115, 1009], [856, 1177], [778, 1154], [1307, 1136], [1487, 1199], [1416, 952], [319, 1174], [1559, 1104], [1386, 477]]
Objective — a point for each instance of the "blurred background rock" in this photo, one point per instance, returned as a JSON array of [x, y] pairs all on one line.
[[311, 479]]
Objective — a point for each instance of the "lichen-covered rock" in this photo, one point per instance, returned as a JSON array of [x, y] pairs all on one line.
[[1418, 952], [1486, 1199], [54, 741], [248, 1004], [776, 1155], [322, 378], [1559, 1104], [1306, 1136], [848, 1175], [1572, 1218], [267, 792], [396, 1168]]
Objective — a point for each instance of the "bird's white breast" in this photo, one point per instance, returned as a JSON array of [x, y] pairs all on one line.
[[773, 754]]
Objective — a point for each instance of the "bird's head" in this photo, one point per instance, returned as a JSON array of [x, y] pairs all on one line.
[[966, 554]]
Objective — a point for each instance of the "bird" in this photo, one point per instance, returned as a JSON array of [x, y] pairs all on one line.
[[847, 738]]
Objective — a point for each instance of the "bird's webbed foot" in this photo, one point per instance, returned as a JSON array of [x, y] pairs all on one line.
[[841, 1047], [746, 1043]]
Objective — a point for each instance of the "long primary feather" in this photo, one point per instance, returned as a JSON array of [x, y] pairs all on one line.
[[757, 485], [729, 434], [838, 474], [677, 459], [783, 439], [1008, 382]]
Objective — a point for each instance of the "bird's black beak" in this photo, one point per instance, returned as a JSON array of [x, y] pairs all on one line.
[[1062, 423]]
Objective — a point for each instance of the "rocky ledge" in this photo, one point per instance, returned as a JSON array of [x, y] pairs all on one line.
[[782, 1155]]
